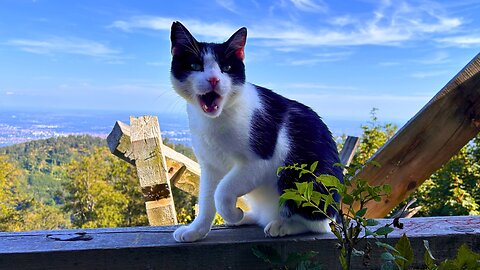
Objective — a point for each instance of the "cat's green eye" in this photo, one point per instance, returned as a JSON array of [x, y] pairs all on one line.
[[196, 67], [226, 68]]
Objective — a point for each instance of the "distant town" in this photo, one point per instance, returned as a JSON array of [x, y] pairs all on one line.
[[18, 127]]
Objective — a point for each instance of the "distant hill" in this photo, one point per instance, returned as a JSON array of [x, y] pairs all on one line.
[[42, 162]]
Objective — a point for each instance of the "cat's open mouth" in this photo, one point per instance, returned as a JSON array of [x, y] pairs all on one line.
[[210, 101]]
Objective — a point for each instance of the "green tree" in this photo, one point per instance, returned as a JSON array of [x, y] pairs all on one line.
[[10, 200], [90, 197], [374, 136]]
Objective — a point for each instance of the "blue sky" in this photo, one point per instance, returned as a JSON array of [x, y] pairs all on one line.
[[340, 57]]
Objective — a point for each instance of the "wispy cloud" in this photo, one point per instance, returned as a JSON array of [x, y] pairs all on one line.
[[389, 24], [321, 58], [317, 86], [310, 5], [461, 41], [217, 30], [428, 74], [228, 5], [436, 58], [64, 45]]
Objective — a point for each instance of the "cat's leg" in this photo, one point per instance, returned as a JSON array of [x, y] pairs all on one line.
[[248, 219], [240, 180], [200, 227]]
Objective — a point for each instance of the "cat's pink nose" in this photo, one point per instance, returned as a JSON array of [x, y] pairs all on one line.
[[213, 81]]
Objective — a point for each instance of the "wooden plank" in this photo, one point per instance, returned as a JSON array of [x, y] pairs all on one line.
[[152, 170], [119, 142], [224, 248], [119, 145], [438, 131], [348, 150]]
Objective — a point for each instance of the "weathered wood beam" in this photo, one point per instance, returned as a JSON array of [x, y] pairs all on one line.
[[436, 133], [348, 150], [224, 248], [119, 144], [151, 167]]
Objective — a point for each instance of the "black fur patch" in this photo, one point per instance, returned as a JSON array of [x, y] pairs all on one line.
[[310, 141]]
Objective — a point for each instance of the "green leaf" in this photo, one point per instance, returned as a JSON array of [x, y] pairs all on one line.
[[384, 230], [428, 258], [404, 250], [465, 259], [343, 259], [372, 222], [386, 246], [296, 258], [388, 265], [268, 254], [387, 188], [361, 212], [301, 187], [279, 169], [387, 256], [347, 199], [313, 167], [358, 253], [330, 181], [308, 191]]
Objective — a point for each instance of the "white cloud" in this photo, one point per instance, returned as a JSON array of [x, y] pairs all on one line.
[[437, 58], [9, 93], [217, 30], [320, 58], [389, 24], [428, 74], [228, 5], [64, 45], [461, 41], [310, 5]]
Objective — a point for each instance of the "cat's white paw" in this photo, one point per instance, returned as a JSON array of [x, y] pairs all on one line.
[[188, 234], [279, 228]]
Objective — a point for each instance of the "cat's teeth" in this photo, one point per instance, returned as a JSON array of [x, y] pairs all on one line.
[[215, 107], [205, 107]]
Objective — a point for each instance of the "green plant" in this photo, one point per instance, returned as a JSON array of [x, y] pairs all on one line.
[[294, 260], [465, 259], [350, 224]]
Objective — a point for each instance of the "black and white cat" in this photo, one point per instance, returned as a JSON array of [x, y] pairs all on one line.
[[241, 134]]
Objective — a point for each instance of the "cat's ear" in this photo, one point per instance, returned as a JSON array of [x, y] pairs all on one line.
[[181, 39], [236, 43]]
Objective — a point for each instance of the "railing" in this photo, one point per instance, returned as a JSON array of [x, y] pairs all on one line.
[[224, 248]]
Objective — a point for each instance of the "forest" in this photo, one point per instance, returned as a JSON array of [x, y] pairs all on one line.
[[75, 182]]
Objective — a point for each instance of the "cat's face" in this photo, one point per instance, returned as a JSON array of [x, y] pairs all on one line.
[[207, 75]]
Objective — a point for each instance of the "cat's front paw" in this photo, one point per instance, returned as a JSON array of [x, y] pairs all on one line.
[[279, 228], [188, 234]]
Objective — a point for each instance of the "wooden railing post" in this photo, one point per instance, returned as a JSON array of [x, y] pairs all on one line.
[[151, 167]]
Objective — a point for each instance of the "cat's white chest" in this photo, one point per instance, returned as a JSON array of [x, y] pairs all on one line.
[[221, 141]]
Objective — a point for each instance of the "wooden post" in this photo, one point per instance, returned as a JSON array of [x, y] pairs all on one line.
[[348, 150], [448, 122], [152, 170]]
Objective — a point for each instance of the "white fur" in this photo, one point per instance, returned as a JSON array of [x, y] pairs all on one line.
[[229, 167]]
